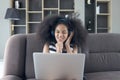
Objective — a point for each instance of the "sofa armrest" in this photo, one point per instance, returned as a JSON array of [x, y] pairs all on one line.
[[11, 77], [14, 56]]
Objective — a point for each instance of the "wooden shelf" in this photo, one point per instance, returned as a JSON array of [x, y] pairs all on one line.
[[33, 12], [66, 10], [102, 28], [19, 25], [104, 17], [34, 22], [50, 8], [103, 0], [103, 14], [21, 8]]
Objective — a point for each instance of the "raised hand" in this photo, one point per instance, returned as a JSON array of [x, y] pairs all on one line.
[[67, 43], [59, 47]]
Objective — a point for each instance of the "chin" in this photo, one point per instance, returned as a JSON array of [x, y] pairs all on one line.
[[60, 41]]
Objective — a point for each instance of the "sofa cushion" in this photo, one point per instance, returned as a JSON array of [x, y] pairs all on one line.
[[103, 42], [103, 61], [104, 52], [111, 75]]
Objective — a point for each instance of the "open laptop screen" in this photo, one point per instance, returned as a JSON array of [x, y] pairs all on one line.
[[58, 66]]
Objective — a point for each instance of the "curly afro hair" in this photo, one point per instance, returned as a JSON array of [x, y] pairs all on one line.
[[47, 27]]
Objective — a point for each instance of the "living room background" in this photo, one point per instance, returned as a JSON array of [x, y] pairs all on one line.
[[5, 24]]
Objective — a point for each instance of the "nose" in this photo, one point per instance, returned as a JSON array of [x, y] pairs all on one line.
[[60, 35]]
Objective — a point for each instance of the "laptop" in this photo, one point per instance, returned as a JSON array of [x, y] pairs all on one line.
[[58, 66]]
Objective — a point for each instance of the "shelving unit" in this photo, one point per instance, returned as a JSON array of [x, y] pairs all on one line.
[[32, 12], [99, 21], [19, 26], [103, 18]]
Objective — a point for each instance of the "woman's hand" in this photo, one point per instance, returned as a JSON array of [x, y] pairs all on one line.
[[59, 47], [67, 43]]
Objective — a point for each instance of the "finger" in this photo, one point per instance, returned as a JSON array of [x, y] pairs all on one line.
[[60, 42], [71, 36], [72, 33], [60, 45]]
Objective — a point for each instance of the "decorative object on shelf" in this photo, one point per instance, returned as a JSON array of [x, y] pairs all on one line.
[[50, 13], [66, 16], [89, 2], [17, 4], [98, 10], [89, 25], [12, 14]]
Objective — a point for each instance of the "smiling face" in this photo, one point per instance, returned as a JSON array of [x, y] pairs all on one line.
[[61, 33]]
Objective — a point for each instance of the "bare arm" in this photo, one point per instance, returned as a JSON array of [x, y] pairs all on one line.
[[46, 48], [59, 47]]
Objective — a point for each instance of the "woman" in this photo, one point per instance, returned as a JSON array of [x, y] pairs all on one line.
[[61, 34]]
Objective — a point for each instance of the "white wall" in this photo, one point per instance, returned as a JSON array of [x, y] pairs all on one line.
[[80, 7], [115, 16], [4, 25]]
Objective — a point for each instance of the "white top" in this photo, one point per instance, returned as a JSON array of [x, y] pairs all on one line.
[[52, 48]]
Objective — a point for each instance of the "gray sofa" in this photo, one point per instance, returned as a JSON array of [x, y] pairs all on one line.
[[102, 57]]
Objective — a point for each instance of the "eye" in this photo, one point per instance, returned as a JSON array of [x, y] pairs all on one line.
[[57, 31], [64, 32]]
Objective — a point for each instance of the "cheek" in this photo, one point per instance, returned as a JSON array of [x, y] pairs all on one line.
[[55, 35], [66, 36]]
